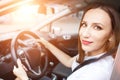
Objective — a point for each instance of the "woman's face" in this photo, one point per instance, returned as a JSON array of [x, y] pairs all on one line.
[[95, 31]]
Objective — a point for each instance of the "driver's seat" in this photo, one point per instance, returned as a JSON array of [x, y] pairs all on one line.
[[61, 71], [116, 69]]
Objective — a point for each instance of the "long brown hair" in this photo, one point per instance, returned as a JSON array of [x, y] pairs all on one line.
[[115, 22]]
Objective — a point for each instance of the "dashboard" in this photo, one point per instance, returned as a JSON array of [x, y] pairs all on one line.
[[5, 47]]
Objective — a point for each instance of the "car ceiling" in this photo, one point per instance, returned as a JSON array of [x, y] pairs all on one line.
[[7, 6]]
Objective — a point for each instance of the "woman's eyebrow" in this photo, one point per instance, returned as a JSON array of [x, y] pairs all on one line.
[[100, 24]]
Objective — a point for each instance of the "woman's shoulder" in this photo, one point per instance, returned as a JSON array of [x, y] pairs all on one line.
[[107, 61], [104, 64]]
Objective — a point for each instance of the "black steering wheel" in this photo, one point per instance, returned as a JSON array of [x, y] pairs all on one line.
[[31, 52]]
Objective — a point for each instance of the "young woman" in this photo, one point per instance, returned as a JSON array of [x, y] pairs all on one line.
[[98, 40]]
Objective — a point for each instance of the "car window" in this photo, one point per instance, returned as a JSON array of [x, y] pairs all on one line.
[[68, 24]]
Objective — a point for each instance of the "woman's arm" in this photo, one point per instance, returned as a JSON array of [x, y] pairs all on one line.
[[60, 55]]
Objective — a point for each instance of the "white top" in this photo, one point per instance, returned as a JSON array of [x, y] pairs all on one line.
[[99, 70]]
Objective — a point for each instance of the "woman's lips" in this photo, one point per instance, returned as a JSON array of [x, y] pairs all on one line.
[[86, 42]]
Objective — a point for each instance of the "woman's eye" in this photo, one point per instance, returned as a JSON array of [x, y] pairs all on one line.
[[83, 25], [97, 28]]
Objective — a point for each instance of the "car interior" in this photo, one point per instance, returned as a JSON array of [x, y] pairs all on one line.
[[57, 21]]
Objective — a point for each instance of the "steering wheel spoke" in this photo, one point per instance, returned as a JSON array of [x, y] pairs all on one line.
[[21, 42]]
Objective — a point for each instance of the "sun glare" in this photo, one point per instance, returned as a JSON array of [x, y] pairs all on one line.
[[26, 13], [28, 9]]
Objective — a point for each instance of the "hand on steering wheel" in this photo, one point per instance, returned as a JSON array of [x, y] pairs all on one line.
[[20, 71]]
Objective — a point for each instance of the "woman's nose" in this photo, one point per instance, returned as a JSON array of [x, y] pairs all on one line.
[[86, 32]]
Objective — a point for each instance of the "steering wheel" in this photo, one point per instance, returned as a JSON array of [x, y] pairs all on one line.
[[32, 54]]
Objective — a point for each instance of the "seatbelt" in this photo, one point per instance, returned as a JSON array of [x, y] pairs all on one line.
[[94, 59]]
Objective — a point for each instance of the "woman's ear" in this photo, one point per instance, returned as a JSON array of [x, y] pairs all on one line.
[[112, 41], [112, 37]]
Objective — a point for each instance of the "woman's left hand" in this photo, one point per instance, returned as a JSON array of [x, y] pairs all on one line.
[[20, 71]]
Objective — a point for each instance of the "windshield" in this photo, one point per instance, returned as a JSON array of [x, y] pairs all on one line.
[[27, 16]]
